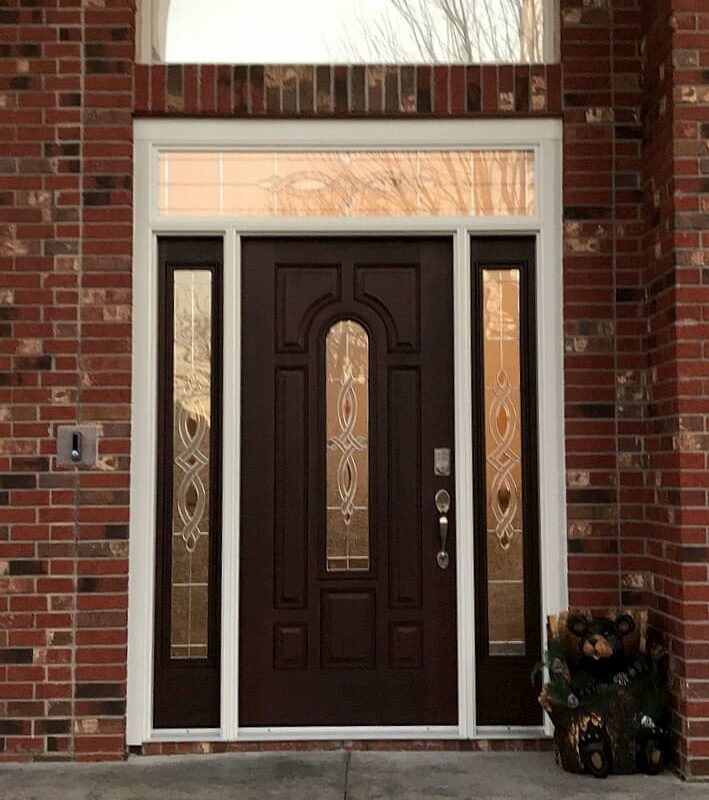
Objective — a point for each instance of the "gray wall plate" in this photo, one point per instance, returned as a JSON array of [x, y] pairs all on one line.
[[77, 445]]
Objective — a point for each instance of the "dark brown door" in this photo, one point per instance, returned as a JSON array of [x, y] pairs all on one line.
[[346, 618]]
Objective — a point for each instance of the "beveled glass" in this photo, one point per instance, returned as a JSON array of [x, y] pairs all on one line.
[[192, 348], [347, 447], [424, 183], [503, 460]]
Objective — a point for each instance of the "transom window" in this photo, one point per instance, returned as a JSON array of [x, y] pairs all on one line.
[[411, 183], [357, 31]]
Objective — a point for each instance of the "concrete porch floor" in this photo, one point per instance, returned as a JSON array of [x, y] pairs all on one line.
[[331, 776]]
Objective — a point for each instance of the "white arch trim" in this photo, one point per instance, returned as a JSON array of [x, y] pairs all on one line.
[[153, 15], [151, 31]]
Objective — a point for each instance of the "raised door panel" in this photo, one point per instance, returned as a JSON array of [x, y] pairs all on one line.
[[348, 629], [405, 505], [291, 504], [394, 292], [302, 290]]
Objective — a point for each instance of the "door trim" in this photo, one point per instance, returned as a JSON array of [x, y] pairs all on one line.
[[151, 136]]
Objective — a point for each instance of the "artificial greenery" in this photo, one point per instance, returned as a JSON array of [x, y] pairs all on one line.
[[643, 683]]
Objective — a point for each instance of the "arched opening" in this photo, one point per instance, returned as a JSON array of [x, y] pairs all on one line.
[[342, 31], [151, 30]]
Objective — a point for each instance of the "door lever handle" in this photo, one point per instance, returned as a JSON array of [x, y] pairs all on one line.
[[443, 504]]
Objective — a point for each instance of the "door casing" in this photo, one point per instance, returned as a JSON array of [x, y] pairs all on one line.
[[152, 136]]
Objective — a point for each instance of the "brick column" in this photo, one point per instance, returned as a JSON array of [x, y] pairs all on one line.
[[40, 125], [105, 378], [677, 255], [65, 357], [589, 302]]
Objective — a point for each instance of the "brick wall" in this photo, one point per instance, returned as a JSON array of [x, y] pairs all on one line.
[[222, 90], [591, 151], [65, 243], [677, 436], [634, 248], [690, 600], [636, 313]]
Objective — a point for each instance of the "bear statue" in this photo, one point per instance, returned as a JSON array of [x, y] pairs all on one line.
[[600, 644], [606, 695]]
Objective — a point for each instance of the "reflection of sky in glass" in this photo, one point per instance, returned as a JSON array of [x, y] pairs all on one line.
[[389, 183], [312, 31]]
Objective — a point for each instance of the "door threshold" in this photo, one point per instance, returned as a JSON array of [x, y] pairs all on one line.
[[347, 733], [277, 733], [324, 733]]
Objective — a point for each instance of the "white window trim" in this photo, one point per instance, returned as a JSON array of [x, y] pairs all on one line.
[[151, 136], [152, 18], [552, 31]]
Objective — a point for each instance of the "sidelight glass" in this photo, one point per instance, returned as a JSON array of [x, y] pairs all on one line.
[[503, 460], [192, 381], [347, 446], [423, 183]]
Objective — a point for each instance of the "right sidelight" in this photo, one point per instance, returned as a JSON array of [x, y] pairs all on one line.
[[508, 603]]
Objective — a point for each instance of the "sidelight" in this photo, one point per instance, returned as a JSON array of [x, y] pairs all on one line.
[[347, 445], [192, 362], [187, 639], [508, 613], [503, 460]]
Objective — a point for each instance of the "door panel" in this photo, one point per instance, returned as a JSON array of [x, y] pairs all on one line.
[[346, 618]]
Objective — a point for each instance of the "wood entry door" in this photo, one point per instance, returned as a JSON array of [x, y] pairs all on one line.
[[346, 616]]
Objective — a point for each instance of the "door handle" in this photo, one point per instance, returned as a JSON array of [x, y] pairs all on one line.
[[443, 504]]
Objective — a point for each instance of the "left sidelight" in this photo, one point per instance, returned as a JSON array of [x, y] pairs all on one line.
[[187, 640]]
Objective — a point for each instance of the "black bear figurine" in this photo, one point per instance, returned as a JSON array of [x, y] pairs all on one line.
[[600, 645], [606, 693], [598, 666]]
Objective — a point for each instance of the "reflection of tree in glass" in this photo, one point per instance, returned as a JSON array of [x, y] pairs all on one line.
[[346, 183], [484, 183], [455, 31]]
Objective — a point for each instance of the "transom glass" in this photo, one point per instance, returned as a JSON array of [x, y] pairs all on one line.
[[417, 183]]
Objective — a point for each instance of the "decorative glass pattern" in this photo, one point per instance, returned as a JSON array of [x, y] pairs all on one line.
[[503, 459], [347, 183], [192, 351], [347, 446]]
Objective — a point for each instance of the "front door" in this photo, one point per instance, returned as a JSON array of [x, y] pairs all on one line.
[[348, 587]]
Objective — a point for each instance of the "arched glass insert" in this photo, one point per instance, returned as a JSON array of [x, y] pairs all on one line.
[[347, 446], [355, 31]]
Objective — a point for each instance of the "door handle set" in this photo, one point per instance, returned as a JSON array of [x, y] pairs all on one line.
[[443, 504]]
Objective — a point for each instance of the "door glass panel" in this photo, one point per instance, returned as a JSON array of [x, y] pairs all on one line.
[[347, 446], [423, 183], [192, 379], [503, 460]]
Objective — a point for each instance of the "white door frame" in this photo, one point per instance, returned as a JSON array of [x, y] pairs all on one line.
[[151, 136]]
